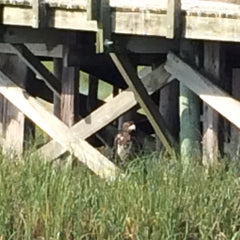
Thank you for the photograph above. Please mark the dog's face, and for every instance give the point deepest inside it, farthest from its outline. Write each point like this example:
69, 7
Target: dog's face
128, 126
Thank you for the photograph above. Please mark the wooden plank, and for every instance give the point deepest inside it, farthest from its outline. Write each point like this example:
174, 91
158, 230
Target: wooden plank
212, 28
62, 19
58, 18
41, 49
144, 23
218, 99
108, 112
36, 66
13, 15
49, 36
56, 129
129, 74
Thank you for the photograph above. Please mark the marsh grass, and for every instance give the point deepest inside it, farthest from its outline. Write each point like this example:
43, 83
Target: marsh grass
156, 200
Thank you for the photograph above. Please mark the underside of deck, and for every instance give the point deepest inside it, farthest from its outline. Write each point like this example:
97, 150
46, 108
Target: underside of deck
111, 40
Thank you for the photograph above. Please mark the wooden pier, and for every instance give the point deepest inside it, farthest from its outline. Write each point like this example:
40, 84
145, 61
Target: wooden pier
191, 48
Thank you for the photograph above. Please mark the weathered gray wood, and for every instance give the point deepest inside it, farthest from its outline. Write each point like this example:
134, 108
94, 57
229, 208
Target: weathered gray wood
210, 141
189, 111
58, 18
129, 74
13, 121
13, 127
56, 129
36, 66
219, 100
69, 96
108, 112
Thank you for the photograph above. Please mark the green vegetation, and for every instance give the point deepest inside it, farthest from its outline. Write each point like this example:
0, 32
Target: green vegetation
156, 200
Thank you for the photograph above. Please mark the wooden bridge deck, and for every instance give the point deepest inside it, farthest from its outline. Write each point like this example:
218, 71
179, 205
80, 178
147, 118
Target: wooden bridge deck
208, 20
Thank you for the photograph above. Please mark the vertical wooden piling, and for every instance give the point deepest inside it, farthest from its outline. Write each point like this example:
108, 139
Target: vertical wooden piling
14, 126
189, 111
212, 65
69, 93
168, 107
57, 69
69, 98
92, 92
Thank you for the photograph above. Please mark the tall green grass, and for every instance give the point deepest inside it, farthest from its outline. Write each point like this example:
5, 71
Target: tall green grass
156, 200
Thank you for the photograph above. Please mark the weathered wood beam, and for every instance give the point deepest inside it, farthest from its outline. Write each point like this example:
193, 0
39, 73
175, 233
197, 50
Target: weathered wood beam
218, 99
57, 18
36, 66
130, 76
108, 112
56, 129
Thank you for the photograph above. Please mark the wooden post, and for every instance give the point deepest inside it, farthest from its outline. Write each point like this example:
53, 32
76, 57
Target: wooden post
169, 107
13, 121
210, 144
69, 98
92, 92
57, 69
189, 111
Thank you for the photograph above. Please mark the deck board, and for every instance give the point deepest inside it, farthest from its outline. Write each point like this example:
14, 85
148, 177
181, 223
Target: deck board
209, 20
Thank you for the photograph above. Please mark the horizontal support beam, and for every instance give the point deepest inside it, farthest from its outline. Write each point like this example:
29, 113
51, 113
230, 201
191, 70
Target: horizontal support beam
38, 49
219, 100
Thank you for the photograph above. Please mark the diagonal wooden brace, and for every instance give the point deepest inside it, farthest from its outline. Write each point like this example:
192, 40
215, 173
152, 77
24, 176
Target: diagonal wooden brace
57, 129
218, 99
108, 112
129, 74
37, 67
